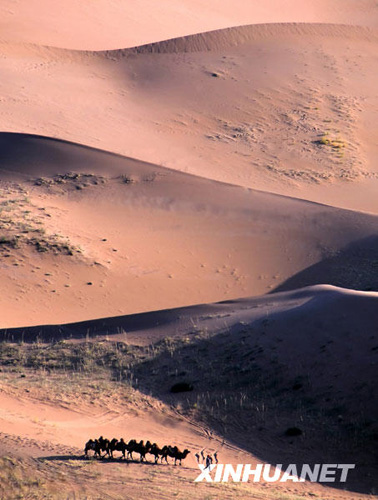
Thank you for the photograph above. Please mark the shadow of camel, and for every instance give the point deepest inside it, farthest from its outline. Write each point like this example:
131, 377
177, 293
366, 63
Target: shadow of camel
107, 460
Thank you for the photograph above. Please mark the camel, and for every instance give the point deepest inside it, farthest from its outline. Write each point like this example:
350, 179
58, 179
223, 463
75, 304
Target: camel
116, 445
122, 447
174, 452
164, 453
92, 445
181, 455
155, 451
103, 445
178, 454
130, 448
112, 446
143, 450
97, 445
140, 448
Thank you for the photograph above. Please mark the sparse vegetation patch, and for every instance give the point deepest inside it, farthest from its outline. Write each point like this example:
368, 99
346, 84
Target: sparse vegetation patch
22, 224
74, 179
226, 388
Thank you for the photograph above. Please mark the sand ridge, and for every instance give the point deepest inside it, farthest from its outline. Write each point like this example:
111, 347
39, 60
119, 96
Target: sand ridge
306, 136
222, 39
109, 237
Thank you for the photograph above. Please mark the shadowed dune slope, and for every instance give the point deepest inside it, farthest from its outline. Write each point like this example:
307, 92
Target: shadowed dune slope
332, 315
292, 358
27, 156
356, 265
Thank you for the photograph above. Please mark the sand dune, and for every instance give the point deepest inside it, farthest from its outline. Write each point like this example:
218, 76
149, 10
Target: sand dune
221, 39
187, 194
144, 237
294, 117
266, 339
339, 320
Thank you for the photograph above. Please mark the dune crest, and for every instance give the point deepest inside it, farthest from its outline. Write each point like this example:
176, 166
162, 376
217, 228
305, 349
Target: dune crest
296, 113
235, 36
214, 40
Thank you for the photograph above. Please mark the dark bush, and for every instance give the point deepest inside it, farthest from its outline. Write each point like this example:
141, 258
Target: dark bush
181, 387
293, 431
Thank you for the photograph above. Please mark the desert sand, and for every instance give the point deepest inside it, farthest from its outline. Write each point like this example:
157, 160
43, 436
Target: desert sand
188, 193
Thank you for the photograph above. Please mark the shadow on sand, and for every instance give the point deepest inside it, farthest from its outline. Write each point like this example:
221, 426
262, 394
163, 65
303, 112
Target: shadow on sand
355, 267
107, 460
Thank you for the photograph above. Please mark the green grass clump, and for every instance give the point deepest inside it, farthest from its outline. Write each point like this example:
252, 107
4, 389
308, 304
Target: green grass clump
333, 143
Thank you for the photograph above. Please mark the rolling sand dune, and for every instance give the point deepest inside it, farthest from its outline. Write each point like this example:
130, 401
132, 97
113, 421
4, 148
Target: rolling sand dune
188, 194
285, 108
223, 39
322, 390
122, 236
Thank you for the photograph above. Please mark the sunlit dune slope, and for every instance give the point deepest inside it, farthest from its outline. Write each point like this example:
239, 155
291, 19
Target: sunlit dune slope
87, 234
285, 108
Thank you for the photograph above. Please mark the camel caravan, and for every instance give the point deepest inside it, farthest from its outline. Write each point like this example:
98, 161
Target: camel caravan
107, 447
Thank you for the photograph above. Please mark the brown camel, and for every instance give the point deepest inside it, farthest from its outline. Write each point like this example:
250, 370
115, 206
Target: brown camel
156, 451
178, 455
116, 445
140, 448
92, 445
